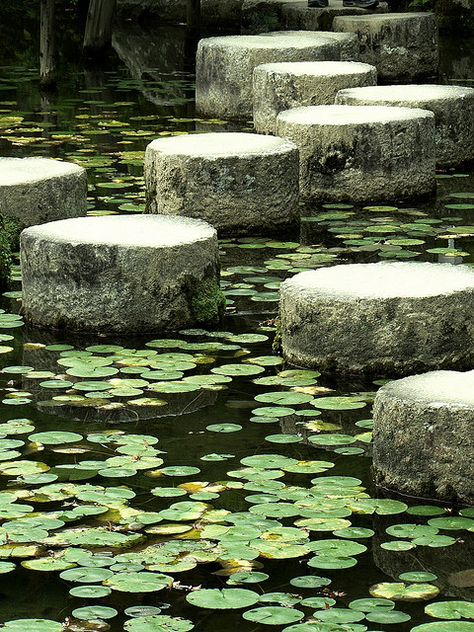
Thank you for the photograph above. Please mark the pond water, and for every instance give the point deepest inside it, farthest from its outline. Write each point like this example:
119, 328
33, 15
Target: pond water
136, 471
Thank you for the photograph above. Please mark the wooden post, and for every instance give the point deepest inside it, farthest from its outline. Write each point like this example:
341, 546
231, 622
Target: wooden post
98, 33
47, 52
193, 13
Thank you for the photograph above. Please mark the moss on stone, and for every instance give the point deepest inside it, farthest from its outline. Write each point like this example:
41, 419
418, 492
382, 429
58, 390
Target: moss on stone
207, 302
9, 241
276, 344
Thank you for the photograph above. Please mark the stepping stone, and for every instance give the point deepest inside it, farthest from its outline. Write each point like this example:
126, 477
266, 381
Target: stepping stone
401, 45
38, 190
423, 439
124, 274
286, 85
362, 154
380, 319
453, 107
225, 65
297, 15
259, 16
238, 182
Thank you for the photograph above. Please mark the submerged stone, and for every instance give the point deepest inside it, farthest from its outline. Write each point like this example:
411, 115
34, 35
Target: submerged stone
38, 190
287, 85
380, 319
121, 274
357, 154
401, 45
423, 439
453, 107
238, 182
224, 65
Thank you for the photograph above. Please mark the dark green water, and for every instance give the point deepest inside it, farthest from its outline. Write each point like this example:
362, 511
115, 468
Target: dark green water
103, 119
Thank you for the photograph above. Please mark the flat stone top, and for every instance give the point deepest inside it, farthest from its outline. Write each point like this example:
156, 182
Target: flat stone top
406, 93
221, 144
436, 387
15, 171
387, 17
350, 114
384, 280
277, 39
317, 68
149, 231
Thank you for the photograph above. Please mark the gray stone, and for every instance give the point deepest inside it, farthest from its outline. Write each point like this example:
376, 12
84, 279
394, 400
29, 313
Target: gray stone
380, 319
356, 154
423, 438
225, 65
297, 15
238, 182
121, 274
401, 45
278, 87
259, 16
38, 190
453, 107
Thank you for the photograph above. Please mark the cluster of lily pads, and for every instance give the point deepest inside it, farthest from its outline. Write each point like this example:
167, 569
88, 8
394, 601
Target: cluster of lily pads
260, 510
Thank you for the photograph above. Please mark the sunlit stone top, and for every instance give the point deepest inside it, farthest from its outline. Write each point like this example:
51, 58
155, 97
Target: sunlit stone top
15, 171
384, 280
151, 231
317, 68
386, 17
407, 93
221, 144
350, 114
437, 387
276, 39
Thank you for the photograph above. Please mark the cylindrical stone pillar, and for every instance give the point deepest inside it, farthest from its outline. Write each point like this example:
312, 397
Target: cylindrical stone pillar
240, 183
283, 86
453, 107
371, 154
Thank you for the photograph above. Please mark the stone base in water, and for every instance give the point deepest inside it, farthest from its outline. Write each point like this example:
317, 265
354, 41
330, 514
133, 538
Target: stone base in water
401, 45
240, 183
259, 16
453, 107
423, 438
379, 319
121, 274
38, 190
224, 65
283, 86
359, 154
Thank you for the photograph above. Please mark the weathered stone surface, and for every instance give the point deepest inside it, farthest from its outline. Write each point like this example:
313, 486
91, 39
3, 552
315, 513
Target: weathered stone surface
38, 190
401, 45
225, 65
238, 182
286, 85
381, 319
259, 16
453, 107
121, 274
356, 154
423, 439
